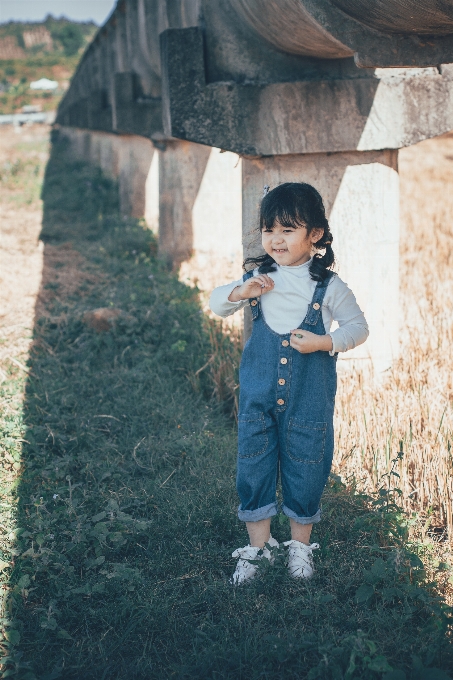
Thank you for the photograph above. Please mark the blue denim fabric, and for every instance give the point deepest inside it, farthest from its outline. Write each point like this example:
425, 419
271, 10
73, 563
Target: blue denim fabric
295, 438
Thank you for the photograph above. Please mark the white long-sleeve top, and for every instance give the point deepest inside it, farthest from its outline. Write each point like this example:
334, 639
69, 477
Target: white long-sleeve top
285, 306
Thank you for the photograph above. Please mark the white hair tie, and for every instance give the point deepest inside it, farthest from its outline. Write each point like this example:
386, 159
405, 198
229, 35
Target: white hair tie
266, 190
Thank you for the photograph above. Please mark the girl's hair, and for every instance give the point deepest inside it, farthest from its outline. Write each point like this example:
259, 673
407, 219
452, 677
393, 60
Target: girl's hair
296, 204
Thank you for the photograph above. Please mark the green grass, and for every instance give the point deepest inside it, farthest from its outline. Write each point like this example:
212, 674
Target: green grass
22, 175
69, 39
125, 511
17, 74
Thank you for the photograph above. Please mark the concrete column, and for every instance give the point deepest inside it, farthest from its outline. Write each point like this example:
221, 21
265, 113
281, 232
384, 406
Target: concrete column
135, 158
129, 159
181, 169
152, 195
97, 148
361, 195
216, 224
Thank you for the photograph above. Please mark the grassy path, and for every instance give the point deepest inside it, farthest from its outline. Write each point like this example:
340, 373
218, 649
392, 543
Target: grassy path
118, 499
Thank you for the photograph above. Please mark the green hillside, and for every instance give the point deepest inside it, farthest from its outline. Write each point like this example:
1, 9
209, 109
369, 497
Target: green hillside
31, 51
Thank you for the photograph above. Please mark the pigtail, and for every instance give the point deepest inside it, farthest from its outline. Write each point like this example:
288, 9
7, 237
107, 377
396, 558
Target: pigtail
265, 263
322, 264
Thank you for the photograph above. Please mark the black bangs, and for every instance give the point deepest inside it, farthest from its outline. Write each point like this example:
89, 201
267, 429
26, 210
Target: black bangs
282, 205
287, 204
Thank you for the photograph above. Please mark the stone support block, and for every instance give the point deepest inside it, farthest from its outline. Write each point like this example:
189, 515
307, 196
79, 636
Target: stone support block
361, 195
382, 109
134, 112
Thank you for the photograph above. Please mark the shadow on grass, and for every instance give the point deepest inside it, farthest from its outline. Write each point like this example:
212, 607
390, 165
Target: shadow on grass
127, 509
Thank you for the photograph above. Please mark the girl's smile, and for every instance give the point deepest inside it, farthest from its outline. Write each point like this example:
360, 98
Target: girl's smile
289, 246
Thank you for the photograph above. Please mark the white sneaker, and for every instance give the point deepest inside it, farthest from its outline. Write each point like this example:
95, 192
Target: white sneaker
300, 558
245, 569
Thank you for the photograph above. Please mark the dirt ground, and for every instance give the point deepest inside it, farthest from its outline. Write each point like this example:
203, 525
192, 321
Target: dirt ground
21, 252
28, 268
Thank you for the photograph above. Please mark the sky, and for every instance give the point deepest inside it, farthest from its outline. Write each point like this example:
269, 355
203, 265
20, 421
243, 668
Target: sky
36, 10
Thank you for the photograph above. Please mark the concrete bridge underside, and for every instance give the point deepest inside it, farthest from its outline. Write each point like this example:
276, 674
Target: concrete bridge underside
194, 105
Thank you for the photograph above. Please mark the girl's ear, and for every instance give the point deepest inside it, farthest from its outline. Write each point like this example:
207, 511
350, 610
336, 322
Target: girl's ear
316, 234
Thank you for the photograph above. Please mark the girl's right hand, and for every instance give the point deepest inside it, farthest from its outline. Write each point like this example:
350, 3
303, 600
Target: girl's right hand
253, 287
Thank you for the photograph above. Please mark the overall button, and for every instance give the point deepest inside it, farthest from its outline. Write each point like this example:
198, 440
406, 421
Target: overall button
280, 402
315, 306
283, 360
281, 381
253, 303
285, 343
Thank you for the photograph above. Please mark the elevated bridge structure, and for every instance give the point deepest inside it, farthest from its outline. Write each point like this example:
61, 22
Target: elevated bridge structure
194, 105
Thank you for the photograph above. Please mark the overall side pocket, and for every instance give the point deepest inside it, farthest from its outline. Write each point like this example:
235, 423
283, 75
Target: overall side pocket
252, 435
306, 441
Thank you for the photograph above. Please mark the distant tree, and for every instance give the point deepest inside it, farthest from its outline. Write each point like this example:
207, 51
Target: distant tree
71, 37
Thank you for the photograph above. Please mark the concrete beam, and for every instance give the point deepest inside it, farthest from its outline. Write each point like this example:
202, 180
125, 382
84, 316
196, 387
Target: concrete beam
382, 33
388, 109
134, 112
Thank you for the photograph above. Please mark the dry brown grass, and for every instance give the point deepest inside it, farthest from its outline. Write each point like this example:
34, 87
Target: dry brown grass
412, 404
21, 254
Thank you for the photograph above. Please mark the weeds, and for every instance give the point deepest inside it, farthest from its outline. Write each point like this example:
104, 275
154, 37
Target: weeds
21, 176
413, 402
120, 526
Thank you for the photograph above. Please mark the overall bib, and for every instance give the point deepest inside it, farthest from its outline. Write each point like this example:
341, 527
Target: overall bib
285, 419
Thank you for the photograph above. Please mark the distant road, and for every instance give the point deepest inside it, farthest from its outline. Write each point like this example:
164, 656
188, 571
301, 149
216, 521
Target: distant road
21, 118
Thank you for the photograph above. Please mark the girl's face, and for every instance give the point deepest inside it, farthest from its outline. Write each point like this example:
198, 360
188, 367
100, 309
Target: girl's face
289, 246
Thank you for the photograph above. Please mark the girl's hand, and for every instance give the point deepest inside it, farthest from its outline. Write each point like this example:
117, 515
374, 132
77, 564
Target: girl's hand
253, 287
310, 342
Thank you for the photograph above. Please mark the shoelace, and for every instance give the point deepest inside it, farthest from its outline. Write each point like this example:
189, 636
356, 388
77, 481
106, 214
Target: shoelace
310, 548
245, 553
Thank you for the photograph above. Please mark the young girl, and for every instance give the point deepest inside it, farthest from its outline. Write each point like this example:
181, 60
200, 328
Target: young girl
288, 373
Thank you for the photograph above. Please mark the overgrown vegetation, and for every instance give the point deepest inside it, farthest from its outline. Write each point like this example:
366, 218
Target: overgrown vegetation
21, 174
118, 494
55, 57
414, 402
68, 37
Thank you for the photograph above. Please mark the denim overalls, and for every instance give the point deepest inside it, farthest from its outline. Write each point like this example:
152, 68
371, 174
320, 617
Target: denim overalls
285, 417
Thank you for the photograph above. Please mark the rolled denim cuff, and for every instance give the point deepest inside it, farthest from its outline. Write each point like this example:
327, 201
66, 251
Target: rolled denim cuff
256, 515
302, 520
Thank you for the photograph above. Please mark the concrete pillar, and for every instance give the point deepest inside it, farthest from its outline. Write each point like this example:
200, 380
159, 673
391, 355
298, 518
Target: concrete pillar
181, 169
361, 195
129, 159
216, 224
97, 148
152, 195
135, 158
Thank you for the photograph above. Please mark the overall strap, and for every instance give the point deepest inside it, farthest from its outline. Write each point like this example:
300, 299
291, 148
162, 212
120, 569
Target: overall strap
314, 308
253, 302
